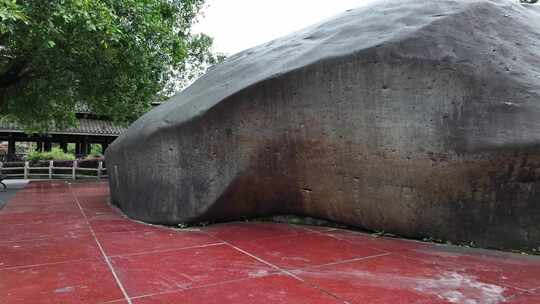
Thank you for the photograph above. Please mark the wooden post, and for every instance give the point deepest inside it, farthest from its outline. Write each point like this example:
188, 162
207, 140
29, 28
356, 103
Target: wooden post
64, 146
47, 145
100, 167
39, 146
26, 167
104, 148
74, 172
85, 147
1, 166
50, 169
78, 149
11, 149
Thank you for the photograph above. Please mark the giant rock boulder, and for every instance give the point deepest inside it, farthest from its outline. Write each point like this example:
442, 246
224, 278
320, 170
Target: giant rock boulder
420, 118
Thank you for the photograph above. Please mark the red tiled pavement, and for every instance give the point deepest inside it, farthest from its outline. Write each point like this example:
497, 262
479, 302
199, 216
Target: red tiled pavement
391, 279
158, 272
133, 242
308, 249
241, 231
524, 298
275, 288
63, 243
46, 251
76, 282
43, 230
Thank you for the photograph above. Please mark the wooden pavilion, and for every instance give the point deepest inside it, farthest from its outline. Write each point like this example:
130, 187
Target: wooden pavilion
91, 129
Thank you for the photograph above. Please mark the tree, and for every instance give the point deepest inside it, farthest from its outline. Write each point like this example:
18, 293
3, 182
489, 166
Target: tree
111, 56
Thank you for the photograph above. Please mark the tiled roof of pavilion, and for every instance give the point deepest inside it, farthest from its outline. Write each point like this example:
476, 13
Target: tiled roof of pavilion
86, 126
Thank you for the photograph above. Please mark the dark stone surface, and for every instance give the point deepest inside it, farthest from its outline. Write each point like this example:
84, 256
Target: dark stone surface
420, 118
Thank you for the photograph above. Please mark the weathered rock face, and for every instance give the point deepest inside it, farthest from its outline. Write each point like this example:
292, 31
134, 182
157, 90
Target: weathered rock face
420, 118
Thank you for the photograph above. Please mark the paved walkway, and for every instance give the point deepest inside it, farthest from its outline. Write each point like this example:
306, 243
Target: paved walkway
13, 186
62, 243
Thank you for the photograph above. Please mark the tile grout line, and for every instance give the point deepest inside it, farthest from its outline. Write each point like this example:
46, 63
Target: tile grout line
44, 264
165, 250
283, 271
289, 274
121, 300
264, 261
517, 295
109, 264
212, 245
197, 287
303, 227
325, 233
45, 238
383, 253
369, 257
505, 285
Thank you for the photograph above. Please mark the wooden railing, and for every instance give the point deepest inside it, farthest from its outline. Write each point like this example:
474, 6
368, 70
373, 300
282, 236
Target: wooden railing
26, 170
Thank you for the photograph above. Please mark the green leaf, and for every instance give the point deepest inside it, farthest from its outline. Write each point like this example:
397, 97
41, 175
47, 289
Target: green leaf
113, 56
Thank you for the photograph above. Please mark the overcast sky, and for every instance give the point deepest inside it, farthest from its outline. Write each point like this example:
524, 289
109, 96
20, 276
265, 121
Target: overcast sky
240, 24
